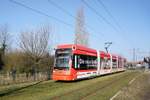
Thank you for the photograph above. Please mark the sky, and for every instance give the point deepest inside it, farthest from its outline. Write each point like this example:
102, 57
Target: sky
132, 16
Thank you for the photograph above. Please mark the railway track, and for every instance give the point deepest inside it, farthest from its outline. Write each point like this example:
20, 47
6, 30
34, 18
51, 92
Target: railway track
95, 89
79, 90
103, 87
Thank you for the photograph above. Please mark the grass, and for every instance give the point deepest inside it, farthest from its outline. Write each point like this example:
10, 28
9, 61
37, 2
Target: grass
138, 90
100, 88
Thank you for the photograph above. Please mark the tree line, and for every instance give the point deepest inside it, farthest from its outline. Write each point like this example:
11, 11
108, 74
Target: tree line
33, 53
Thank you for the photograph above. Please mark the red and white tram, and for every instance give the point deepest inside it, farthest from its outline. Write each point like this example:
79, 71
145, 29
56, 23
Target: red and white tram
74, 62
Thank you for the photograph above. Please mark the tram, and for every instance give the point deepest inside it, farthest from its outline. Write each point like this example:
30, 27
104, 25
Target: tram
73, 62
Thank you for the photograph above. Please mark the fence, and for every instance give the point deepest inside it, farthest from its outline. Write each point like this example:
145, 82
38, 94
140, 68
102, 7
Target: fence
9, 78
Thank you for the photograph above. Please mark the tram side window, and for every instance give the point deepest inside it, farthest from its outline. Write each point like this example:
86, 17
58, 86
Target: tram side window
105, 63
119, 63
84, 62
114, 63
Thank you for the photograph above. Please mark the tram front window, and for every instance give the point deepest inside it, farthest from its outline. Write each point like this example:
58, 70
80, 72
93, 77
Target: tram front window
62, 58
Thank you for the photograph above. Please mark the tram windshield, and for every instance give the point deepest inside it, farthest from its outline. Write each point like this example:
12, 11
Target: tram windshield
62, 57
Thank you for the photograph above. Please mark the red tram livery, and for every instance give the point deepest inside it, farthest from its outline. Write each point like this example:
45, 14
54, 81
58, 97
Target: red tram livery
74, 62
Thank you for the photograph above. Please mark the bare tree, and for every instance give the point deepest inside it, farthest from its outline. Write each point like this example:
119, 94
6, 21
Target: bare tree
81, 36
4, 41
4, 37
35, 44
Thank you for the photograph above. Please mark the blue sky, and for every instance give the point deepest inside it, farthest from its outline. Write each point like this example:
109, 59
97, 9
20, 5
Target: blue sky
132, 15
